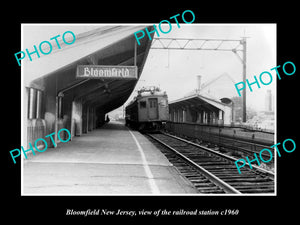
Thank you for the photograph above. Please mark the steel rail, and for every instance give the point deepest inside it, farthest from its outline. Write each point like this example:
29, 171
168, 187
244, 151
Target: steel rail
230, 158
217, 181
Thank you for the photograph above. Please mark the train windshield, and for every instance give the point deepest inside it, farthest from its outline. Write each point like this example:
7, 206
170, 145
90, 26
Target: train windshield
142, 104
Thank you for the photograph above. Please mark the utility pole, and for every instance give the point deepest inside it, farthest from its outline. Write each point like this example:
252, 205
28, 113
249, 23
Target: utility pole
202, 44
244, 61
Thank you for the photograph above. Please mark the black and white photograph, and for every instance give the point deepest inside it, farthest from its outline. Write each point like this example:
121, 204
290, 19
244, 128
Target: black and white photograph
104, 114
154, 119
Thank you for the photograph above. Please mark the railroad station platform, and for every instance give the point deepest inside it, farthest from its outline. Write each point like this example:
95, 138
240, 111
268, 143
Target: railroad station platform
112, 160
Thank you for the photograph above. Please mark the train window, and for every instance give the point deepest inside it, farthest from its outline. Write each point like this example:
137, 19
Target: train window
142, 104
153, 102
163, 102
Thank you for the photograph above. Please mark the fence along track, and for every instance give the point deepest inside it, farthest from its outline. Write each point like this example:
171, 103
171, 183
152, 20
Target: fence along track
229, 141
218, 168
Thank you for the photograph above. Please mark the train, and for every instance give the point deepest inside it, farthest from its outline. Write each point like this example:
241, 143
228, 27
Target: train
148, 111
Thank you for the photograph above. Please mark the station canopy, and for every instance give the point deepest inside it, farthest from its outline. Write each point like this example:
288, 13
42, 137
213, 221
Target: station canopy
198, 101
104, 45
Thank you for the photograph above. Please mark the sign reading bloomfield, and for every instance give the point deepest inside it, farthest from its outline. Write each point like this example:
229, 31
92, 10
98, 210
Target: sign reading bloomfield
98, 71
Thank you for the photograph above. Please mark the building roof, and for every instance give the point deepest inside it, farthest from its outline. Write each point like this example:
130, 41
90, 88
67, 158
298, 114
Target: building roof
199, 100
107, 45
87, 44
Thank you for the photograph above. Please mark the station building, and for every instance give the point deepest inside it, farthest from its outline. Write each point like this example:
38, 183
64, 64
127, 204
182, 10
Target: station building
54, 97
200, 109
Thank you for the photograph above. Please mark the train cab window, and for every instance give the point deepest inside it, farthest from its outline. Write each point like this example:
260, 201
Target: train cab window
163, 103
153, 102
142, 104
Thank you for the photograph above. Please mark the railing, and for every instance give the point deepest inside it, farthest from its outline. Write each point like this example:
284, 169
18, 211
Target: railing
234, 138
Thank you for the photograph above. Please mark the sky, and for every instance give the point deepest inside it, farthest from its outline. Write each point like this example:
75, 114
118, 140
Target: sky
175, 71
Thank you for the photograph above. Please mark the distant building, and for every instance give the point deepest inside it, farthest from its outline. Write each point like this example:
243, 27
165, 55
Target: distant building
264, 120
216, 88
269, 101
220, 87
238, 110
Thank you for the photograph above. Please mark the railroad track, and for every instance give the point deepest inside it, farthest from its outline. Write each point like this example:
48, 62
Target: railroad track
211, 171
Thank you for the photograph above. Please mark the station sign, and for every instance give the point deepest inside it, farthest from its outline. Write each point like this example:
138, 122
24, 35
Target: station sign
104, 71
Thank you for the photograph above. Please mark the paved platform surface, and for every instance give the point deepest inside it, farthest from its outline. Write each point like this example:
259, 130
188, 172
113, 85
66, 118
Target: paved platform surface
109, 161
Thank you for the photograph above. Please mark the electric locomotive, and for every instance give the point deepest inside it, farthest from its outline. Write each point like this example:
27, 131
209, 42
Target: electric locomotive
149, 110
